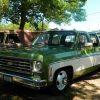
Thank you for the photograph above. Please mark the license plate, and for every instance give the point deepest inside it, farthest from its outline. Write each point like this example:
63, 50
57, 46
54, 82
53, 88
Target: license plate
8, 78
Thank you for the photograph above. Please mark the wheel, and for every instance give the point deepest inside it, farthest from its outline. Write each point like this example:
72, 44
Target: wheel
60, 81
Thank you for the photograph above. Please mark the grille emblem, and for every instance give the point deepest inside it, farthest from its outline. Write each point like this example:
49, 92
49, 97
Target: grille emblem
10, 63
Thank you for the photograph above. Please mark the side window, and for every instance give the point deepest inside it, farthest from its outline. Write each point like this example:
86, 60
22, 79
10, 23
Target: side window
70, 38
67, 40
93, 38
82, 39
56, 39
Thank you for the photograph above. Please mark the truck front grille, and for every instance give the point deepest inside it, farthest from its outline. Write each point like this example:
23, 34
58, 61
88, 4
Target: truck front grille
18, 65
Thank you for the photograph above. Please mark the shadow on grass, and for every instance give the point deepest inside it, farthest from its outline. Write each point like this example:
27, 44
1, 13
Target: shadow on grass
86, 87
80, 89
9, 91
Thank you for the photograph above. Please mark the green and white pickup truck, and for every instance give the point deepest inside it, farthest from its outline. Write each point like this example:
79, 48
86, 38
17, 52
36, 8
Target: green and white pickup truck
53, 60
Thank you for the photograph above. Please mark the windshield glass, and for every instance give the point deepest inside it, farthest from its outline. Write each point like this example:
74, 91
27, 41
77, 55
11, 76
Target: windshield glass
56, 38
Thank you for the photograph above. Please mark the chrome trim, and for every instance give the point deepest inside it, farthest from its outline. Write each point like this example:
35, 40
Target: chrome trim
19, 65
28, 82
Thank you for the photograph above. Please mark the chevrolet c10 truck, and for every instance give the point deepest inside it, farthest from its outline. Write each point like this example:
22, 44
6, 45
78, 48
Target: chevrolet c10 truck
53, 60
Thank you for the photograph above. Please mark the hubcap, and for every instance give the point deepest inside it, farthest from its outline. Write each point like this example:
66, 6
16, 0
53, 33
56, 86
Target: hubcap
61, 80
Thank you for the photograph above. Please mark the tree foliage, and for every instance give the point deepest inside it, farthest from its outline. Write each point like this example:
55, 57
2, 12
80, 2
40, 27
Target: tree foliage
45, 26
36, 11
4, 4
27, 26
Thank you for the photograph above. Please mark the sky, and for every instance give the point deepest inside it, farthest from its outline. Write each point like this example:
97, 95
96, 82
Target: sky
92, 22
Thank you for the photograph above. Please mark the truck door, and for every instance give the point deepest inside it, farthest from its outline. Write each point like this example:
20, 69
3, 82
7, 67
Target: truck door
96, 54
85, 52
95, 40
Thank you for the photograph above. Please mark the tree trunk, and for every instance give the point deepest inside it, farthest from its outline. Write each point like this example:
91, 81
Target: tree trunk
42, 26
42, 23
23, 16
23, 19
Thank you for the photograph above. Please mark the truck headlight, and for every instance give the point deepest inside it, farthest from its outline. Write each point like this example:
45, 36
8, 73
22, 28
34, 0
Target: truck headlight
38, 66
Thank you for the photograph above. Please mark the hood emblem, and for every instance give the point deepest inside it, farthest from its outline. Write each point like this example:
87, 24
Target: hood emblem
10, 63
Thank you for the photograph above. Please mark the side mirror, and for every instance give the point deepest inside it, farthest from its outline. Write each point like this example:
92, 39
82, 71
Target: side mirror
88, 44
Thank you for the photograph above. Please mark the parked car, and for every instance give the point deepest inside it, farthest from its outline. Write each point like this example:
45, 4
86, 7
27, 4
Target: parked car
17, 38
94, 38
9, 40
98, 33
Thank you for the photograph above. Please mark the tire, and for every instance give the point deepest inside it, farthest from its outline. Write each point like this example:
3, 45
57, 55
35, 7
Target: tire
60, 81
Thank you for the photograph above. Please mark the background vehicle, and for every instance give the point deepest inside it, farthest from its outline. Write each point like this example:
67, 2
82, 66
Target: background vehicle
17, 38
9, 40
94, 38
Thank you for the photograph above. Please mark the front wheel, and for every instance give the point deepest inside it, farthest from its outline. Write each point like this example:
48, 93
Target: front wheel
60, 81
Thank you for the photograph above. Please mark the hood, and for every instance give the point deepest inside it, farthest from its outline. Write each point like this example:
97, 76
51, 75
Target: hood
35, 52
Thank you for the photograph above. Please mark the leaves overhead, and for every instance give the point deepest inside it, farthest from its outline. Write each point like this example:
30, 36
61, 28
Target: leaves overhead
4, 4
36, 11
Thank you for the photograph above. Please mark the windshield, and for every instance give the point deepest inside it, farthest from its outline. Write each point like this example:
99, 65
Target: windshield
56, 38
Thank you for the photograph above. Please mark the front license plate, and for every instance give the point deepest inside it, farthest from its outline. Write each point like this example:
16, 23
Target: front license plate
8, 78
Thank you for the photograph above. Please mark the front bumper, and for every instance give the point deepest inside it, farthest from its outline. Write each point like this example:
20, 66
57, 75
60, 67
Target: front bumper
28, 82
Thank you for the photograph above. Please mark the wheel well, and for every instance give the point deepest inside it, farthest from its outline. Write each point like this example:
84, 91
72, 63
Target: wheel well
70, 70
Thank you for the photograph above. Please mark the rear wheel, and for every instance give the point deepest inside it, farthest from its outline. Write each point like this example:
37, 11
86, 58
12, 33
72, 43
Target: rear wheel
60, 81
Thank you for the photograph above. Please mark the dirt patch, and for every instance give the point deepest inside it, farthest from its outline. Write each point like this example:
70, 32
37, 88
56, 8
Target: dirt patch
83, 88
88, 88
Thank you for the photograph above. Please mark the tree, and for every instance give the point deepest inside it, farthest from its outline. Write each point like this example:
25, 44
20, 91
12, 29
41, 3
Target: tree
4, 4
36, 11
43, 26
27, 26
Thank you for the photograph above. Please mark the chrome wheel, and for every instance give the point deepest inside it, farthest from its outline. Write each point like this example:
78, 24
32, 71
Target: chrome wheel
62, 80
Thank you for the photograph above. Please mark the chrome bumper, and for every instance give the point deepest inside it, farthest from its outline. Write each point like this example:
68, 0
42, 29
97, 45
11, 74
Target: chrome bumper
28, 82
